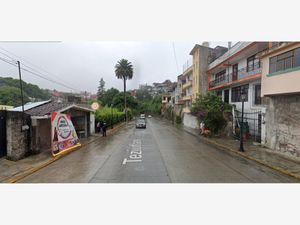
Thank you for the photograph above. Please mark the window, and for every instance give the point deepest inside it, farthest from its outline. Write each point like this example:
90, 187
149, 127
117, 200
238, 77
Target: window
220, 76
285, 61
252, 63
236, 93
257, 91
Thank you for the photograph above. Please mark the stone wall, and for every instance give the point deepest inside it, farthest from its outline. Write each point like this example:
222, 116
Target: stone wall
18, 142
190, 121
283, 124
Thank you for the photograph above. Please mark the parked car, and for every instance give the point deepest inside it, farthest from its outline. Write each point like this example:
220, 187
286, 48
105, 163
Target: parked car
140, 123
149, 116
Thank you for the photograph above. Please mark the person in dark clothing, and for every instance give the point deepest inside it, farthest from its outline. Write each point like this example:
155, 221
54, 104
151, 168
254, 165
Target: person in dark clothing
104, 126
101, 125
98, 127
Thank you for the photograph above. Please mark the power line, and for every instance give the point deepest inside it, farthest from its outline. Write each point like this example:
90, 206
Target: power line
30, 63
37, 74
175, 57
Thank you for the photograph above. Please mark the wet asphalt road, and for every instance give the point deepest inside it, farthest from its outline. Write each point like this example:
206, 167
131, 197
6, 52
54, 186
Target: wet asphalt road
161, 153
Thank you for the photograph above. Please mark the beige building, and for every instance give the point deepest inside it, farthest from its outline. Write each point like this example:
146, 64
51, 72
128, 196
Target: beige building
187, 88
281, 70
195, 80
280, 87
203, 55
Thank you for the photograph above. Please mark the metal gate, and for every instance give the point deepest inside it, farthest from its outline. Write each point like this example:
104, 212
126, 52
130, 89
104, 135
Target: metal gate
251, 126
2, 133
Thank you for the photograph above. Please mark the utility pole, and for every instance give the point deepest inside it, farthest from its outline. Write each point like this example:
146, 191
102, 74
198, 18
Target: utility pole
22, 97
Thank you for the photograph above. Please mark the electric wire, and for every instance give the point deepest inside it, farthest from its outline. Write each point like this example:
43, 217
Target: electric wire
37, 74
174, 52
38, 70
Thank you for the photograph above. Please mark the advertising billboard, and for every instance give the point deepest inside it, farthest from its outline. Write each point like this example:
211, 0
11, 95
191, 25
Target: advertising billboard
63, 134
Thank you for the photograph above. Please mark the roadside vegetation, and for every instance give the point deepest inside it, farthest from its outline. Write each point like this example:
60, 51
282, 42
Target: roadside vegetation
211, 110
143, 102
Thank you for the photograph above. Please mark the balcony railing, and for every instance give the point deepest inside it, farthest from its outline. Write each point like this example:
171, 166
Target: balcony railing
187, 84
187, 97
240, 74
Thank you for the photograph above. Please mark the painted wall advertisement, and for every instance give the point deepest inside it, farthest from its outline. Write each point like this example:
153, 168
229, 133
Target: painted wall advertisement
63, 134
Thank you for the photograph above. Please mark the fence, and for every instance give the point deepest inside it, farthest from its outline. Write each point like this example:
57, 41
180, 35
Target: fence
251, 126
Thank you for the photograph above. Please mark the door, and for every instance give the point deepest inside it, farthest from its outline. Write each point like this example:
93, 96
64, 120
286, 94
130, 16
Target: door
234, 72
2, 133
226, 96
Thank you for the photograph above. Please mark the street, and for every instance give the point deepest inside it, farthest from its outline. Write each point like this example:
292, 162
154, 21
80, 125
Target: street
161, 153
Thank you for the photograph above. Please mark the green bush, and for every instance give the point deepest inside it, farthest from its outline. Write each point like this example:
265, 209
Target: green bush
178, 119
109, 115
209, 109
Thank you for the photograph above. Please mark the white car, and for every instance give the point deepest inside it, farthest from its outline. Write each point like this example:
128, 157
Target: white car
149, 116
142, 116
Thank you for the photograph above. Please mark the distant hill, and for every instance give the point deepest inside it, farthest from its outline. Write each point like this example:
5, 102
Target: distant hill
10, 92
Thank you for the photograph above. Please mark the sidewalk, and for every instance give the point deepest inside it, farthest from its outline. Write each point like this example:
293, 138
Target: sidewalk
11, 171
267, 157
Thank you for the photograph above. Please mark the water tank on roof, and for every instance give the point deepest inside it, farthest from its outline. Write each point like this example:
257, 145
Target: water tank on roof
205, 43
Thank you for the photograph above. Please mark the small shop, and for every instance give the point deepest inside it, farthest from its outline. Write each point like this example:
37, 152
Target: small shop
39, 136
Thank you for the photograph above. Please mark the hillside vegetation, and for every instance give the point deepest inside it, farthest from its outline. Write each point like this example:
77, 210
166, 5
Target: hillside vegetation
10, 92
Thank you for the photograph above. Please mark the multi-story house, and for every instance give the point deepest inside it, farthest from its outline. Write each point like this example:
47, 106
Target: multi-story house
280, 88
202, 56
194, 72
187, 88
239, 70
178, 91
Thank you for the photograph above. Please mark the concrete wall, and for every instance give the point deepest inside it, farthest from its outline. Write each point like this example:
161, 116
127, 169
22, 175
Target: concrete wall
92, 123
18, 145
283, 124
190, 121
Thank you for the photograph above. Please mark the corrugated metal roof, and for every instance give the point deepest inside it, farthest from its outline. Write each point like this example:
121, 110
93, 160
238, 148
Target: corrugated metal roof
50, 107
28, 106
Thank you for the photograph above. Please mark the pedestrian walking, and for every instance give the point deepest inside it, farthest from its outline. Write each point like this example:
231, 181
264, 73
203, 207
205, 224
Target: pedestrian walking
104, 126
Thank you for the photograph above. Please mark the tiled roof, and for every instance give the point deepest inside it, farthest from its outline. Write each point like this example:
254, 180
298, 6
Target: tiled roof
50, 107
236, 48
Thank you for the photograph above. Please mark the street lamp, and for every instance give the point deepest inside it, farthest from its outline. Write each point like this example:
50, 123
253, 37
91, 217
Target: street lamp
243, 97
112, 117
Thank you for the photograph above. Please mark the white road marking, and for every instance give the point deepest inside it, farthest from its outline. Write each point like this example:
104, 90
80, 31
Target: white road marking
130, 160
137, 160
135, 153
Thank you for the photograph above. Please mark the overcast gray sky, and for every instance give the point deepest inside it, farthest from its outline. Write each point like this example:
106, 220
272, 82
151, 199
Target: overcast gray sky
82, 64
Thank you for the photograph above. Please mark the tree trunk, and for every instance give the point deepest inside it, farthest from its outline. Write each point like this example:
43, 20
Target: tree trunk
125, 100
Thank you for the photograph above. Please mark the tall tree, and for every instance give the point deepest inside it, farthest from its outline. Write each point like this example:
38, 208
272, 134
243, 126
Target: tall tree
124, 71
108, 96
101, 89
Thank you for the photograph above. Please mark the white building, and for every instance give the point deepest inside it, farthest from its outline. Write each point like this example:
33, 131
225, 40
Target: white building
236, 70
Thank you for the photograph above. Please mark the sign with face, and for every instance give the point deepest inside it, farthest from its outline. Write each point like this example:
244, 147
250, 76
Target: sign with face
63, 134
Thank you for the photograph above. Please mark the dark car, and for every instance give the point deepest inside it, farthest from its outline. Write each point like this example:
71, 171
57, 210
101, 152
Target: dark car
140, 123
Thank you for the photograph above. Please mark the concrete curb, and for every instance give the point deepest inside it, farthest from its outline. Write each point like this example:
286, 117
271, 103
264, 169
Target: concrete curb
28, 172
244, 155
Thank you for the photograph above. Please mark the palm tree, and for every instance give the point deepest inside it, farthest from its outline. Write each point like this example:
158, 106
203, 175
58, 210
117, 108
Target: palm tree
124, 70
